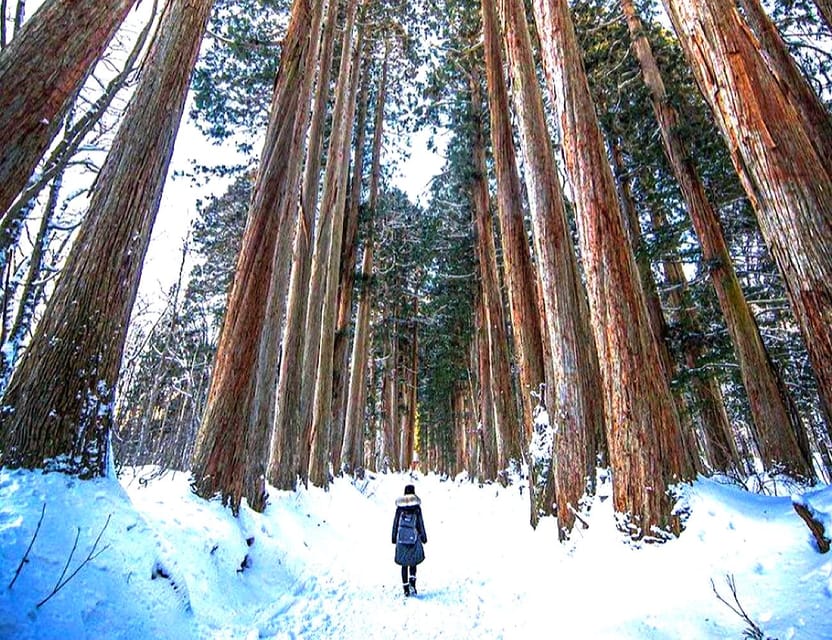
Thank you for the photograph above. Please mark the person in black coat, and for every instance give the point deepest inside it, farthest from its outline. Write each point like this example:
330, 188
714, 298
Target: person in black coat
409, 536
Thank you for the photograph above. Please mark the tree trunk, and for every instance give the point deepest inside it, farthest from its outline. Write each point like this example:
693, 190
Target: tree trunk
518, 271
347, 280
486, 430
219, 453
643, 432
507, 425
262, 410
353, 424
799, 91
774, 414
60, 399
575, 410
411, 380
332, 192
389, 421
40, 72
284, 467
75, 133
334, 199
788, 183
655, 313
825, 12
517, 264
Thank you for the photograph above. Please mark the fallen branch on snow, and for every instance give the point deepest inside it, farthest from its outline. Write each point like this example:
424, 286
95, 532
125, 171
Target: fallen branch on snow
812, 519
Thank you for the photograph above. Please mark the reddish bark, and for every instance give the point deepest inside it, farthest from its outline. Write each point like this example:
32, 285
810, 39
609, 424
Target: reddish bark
59, 403
219, 454
40, 72
788, 182
643, 430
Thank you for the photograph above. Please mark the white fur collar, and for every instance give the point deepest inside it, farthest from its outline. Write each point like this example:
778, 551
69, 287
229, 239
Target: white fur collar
409, 500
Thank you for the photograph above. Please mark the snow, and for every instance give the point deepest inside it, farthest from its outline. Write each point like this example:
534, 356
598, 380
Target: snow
320, 564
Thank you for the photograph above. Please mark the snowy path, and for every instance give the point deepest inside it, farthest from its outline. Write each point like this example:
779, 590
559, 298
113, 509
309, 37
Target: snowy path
320, 566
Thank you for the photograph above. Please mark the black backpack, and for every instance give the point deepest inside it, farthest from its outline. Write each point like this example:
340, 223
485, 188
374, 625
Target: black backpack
407, 528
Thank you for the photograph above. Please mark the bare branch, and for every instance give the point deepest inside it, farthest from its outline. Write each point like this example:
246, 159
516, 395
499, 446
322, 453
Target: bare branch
92, 555
25, 558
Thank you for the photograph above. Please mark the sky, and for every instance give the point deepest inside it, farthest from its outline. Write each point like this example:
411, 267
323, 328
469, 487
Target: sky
319, 564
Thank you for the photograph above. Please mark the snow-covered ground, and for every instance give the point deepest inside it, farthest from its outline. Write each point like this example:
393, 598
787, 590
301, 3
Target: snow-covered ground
320, 565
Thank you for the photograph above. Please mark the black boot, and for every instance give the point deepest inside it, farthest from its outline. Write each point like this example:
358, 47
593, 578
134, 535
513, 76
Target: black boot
413, 591
406, 588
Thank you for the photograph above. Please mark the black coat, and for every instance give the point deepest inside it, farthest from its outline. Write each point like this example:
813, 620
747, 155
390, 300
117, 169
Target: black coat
409, 554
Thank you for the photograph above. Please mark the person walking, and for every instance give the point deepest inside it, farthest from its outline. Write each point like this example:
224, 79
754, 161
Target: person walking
409, 537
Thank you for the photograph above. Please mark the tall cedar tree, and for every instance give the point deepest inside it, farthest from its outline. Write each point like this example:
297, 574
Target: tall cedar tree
642, 424
575, 409
40, 72
219, 453
771, 144
775, 417
340, 358
284, 465
519, 274
59, 403
329, 219
261, 419
352, 448
506, 420
655, 313
322, 399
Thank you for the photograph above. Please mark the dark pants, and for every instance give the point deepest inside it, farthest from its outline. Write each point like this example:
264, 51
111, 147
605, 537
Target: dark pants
406, 570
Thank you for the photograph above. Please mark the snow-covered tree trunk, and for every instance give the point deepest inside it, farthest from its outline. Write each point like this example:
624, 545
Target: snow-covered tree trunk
575, 407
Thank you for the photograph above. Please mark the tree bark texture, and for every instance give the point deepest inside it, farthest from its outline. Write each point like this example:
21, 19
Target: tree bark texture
60, 399
40, 72
575, 410
825, 12
356, 398
800, 92
340, 377
284, 466
519, 273
390, 394
643, 429
334, 199
788, 183
774, 414
485, 387
262, 411
219, 453
655, 313
507, 424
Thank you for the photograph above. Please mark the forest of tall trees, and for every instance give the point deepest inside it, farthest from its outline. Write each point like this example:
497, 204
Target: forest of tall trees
624, 260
